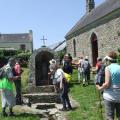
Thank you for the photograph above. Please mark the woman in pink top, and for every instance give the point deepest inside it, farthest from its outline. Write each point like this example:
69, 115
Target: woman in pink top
17, 72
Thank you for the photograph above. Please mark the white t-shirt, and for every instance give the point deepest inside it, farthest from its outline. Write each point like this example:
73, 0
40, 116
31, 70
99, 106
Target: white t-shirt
8, 71
80, 69
58, 76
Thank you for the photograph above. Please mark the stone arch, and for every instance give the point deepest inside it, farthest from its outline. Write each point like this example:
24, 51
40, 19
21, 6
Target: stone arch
42, 67
74, 47
94, 48
39, 67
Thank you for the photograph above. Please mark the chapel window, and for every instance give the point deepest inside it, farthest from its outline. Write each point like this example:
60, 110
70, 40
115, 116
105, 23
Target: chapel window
22, 47
74, 47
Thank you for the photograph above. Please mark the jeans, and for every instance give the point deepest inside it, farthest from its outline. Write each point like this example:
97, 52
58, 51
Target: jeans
80, 75
18, 91
111, 108
86, 76
64, 97
8, 98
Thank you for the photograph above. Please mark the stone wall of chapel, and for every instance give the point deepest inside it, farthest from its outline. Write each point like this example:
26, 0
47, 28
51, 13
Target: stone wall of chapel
108, 36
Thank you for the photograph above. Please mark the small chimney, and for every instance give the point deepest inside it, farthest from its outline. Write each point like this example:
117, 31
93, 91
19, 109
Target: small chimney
90, 4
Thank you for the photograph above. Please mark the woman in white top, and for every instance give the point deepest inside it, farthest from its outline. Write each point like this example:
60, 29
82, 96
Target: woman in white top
60, 81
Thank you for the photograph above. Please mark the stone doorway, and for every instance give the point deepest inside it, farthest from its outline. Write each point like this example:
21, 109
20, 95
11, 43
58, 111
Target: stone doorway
39, 67
42, 68
94, 47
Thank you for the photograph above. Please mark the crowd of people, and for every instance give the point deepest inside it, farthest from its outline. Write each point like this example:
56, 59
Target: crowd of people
107, 81
61, 76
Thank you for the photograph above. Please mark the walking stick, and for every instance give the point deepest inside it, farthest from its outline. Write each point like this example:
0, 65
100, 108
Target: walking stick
100, 102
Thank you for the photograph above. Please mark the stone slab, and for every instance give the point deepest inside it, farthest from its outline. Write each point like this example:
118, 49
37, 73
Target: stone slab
43, 97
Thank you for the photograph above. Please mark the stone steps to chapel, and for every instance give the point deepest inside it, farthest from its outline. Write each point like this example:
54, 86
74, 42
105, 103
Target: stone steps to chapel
40, 89
42, 97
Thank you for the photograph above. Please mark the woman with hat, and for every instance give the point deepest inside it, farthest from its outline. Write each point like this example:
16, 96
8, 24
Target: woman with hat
60, 82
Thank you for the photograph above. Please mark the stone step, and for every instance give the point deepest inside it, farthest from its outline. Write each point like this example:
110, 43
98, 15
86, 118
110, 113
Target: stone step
41, 89
44, 106
42, 97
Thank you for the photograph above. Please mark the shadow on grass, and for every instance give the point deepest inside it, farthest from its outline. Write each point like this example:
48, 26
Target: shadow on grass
21, 116
72, 83
74, 108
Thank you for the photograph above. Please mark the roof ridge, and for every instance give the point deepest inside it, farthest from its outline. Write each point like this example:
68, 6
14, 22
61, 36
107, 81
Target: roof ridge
100, 11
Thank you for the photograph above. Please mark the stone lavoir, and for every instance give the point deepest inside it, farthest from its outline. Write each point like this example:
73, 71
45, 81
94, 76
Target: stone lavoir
40, 93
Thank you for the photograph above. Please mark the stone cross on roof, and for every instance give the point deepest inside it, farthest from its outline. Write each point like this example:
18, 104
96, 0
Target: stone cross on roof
43, 39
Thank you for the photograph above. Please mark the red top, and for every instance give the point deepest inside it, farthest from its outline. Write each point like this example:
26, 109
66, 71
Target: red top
17, 69
98, 66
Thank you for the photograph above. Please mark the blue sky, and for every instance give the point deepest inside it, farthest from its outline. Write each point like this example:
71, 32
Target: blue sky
51, 18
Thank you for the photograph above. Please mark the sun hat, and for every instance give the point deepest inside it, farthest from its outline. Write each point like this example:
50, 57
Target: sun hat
52, 67
107, 58
52, 61
86, 57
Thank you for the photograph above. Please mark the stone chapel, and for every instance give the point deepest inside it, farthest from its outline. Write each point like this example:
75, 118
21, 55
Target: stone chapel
97, 32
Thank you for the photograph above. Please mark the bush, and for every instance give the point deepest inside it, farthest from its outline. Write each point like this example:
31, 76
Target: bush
21, 55
118, 57
24, 58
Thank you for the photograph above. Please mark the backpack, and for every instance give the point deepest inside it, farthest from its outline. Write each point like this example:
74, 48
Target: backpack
86, 66
100, 77
102, 70
3, 72
67, 76
67, 68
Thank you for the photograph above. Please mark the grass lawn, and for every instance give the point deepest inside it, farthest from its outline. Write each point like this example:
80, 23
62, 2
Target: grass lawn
88, 98
20, 116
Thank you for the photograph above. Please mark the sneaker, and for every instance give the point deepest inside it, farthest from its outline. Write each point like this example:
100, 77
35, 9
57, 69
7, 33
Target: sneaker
19, 102
83, 85
69, 108
4, 114
11, 114
29, 104
63, 109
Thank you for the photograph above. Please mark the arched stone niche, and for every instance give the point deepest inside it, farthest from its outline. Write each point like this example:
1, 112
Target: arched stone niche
39, 67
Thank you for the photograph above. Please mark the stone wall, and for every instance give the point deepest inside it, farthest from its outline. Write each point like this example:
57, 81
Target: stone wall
16, 45
16, 40
35, 62
108, 36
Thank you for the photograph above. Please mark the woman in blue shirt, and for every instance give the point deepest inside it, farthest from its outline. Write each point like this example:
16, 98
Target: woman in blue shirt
111, 87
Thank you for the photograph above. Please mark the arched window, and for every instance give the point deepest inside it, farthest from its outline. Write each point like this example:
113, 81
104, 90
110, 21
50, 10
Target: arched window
94, 48
74, 47
23, 47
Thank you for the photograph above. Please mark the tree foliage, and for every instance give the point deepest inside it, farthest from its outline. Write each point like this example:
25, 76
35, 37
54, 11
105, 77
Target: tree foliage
23, 56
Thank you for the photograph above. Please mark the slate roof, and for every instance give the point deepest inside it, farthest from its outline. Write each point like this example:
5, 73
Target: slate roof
53, 46
105, 8
58, 46
22, 37
61, 46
